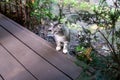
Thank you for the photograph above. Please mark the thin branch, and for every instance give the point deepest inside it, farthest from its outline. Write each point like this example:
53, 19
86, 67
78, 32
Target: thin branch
110, 47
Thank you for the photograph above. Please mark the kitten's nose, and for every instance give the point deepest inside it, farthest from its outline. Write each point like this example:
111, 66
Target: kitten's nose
60, 28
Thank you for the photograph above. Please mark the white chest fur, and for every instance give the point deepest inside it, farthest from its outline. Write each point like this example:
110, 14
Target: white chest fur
59, 38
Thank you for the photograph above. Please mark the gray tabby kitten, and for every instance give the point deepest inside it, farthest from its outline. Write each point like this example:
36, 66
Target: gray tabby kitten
62, 36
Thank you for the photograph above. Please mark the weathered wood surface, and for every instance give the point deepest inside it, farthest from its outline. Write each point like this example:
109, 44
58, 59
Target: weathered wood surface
26, 56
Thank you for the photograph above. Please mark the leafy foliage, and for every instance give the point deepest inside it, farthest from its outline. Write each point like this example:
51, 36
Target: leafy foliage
105, 66
42, 9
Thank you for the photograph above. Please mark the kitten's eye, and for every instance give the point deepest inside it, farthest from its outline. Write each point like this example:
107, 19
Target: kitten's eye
51, 24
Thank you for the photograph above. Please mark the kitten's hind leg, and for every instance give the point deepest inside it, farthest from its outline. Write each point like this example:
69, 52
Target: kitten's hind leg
58, 47
65, 48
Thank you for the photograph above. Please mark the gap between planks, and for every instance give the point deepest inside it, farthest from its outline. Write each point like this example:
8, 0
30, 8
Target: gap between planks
33, 42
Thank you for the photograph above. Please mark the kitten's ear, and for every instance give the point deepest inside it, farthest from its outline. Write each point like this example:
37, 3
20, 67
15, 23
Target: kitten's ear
59, 26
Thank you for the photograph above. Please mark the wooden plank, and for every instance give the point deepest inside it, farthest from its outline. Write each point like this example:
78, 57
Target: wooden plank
41, 48
33, 63
11, 69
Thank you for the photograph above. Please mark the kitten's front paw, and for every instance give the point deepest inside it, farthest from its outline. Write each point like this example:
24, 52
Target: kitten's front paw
58, 48
65, 51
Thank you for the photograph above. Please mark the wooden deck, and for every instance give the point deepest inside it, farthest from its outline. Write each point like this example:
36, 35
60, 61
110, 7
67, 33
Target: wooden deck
26, 56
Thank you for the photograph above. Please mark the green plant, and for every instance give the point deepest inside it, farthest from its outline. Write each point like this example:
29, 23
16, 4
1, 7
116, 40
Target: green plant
84, 6
105, 66
41, 9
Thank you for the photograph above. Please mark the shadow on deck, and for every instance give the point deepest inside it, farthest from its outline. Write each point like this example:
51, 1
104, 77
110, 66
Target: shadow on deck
26, 56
